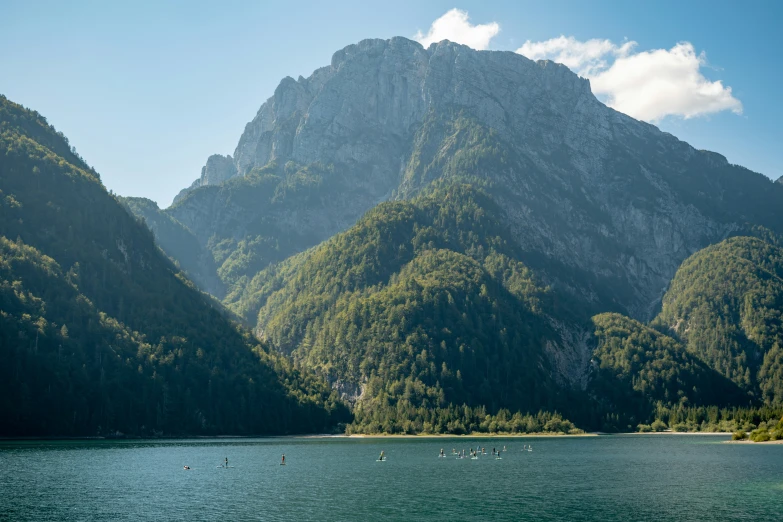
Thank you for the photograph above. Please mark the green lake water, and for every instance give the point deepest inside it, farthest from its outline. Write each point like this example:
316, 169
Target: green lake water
632, 477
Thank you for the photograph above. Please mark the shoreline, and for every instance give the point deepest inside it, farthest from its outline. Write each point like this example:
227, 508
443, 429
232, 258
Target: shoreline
379, 436
468, 435
669, 432
748, 441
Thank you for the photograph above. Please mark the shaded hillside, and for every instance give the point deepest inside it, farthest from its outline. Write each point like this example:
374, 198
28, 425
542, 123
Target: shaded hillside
179, 243
99, 330
636, 368
726, 303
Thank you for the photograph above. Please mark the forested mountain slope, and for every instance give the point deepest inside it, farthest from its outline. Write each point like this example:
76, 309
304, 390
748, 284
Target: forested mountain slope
635, 368
99, 330
422, 305
726, 303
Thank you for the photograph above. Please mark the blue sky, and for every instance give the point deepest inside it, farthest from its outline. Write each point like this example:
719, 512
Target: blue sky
147, 92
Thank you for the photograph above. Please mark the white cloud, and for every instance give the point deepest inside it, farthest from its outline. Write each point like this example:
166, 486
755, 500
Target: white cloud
647, 85
456, 27
583, 57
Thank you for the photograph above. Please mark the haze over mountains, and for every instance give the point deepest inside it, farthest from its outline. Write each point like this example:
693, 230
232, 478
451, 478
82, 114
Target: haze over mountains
100, 333
443, 234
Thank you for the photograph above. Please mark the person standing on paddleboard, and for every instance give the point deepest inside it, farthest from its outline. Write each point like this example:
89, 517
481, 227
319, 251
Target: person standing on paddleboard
283, 463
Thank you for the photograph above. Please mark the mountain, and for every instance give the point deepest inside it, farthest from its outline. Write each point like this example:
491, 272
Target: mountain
421, 307
426, 291
726, 303
780, 179
441, 228
613, 204
716, 343
99, 332
636, 367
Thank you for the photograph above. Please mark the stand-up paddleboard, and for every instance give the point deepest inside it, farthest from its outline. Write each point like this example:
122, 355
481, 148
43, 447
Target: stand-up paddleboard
380, 460
224, 467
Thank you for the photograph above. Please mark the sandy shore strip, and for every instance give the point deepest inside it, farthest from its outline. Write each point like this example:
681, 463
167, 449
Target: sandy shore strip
748, 441
669, 432
471, 435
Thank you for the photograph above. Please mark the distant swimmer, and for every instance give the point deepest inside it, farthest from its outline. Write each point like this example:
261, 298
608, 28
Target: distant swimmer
187, 467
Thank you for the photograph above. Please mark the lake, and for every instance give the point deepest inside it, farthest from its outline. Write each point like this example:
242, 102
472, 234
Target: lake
620, 477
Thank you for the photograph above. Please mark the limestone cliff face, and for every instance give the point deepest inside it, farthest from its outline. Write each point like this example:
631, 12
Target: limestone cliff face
607, 207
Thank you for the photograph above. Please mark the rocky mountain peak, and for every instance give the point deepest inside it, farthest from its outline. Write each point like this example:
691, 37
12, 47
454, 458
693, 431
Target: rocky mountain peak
217, 170
387, 87
613, 201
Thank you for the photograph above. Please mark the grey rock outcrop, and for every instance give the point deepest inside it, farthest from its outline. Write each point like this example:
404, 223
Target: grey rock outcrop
217, 170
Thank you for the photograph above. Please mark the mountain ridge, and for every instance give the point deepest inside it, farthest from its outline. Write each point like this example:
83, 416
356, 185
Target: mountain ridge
581, 183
